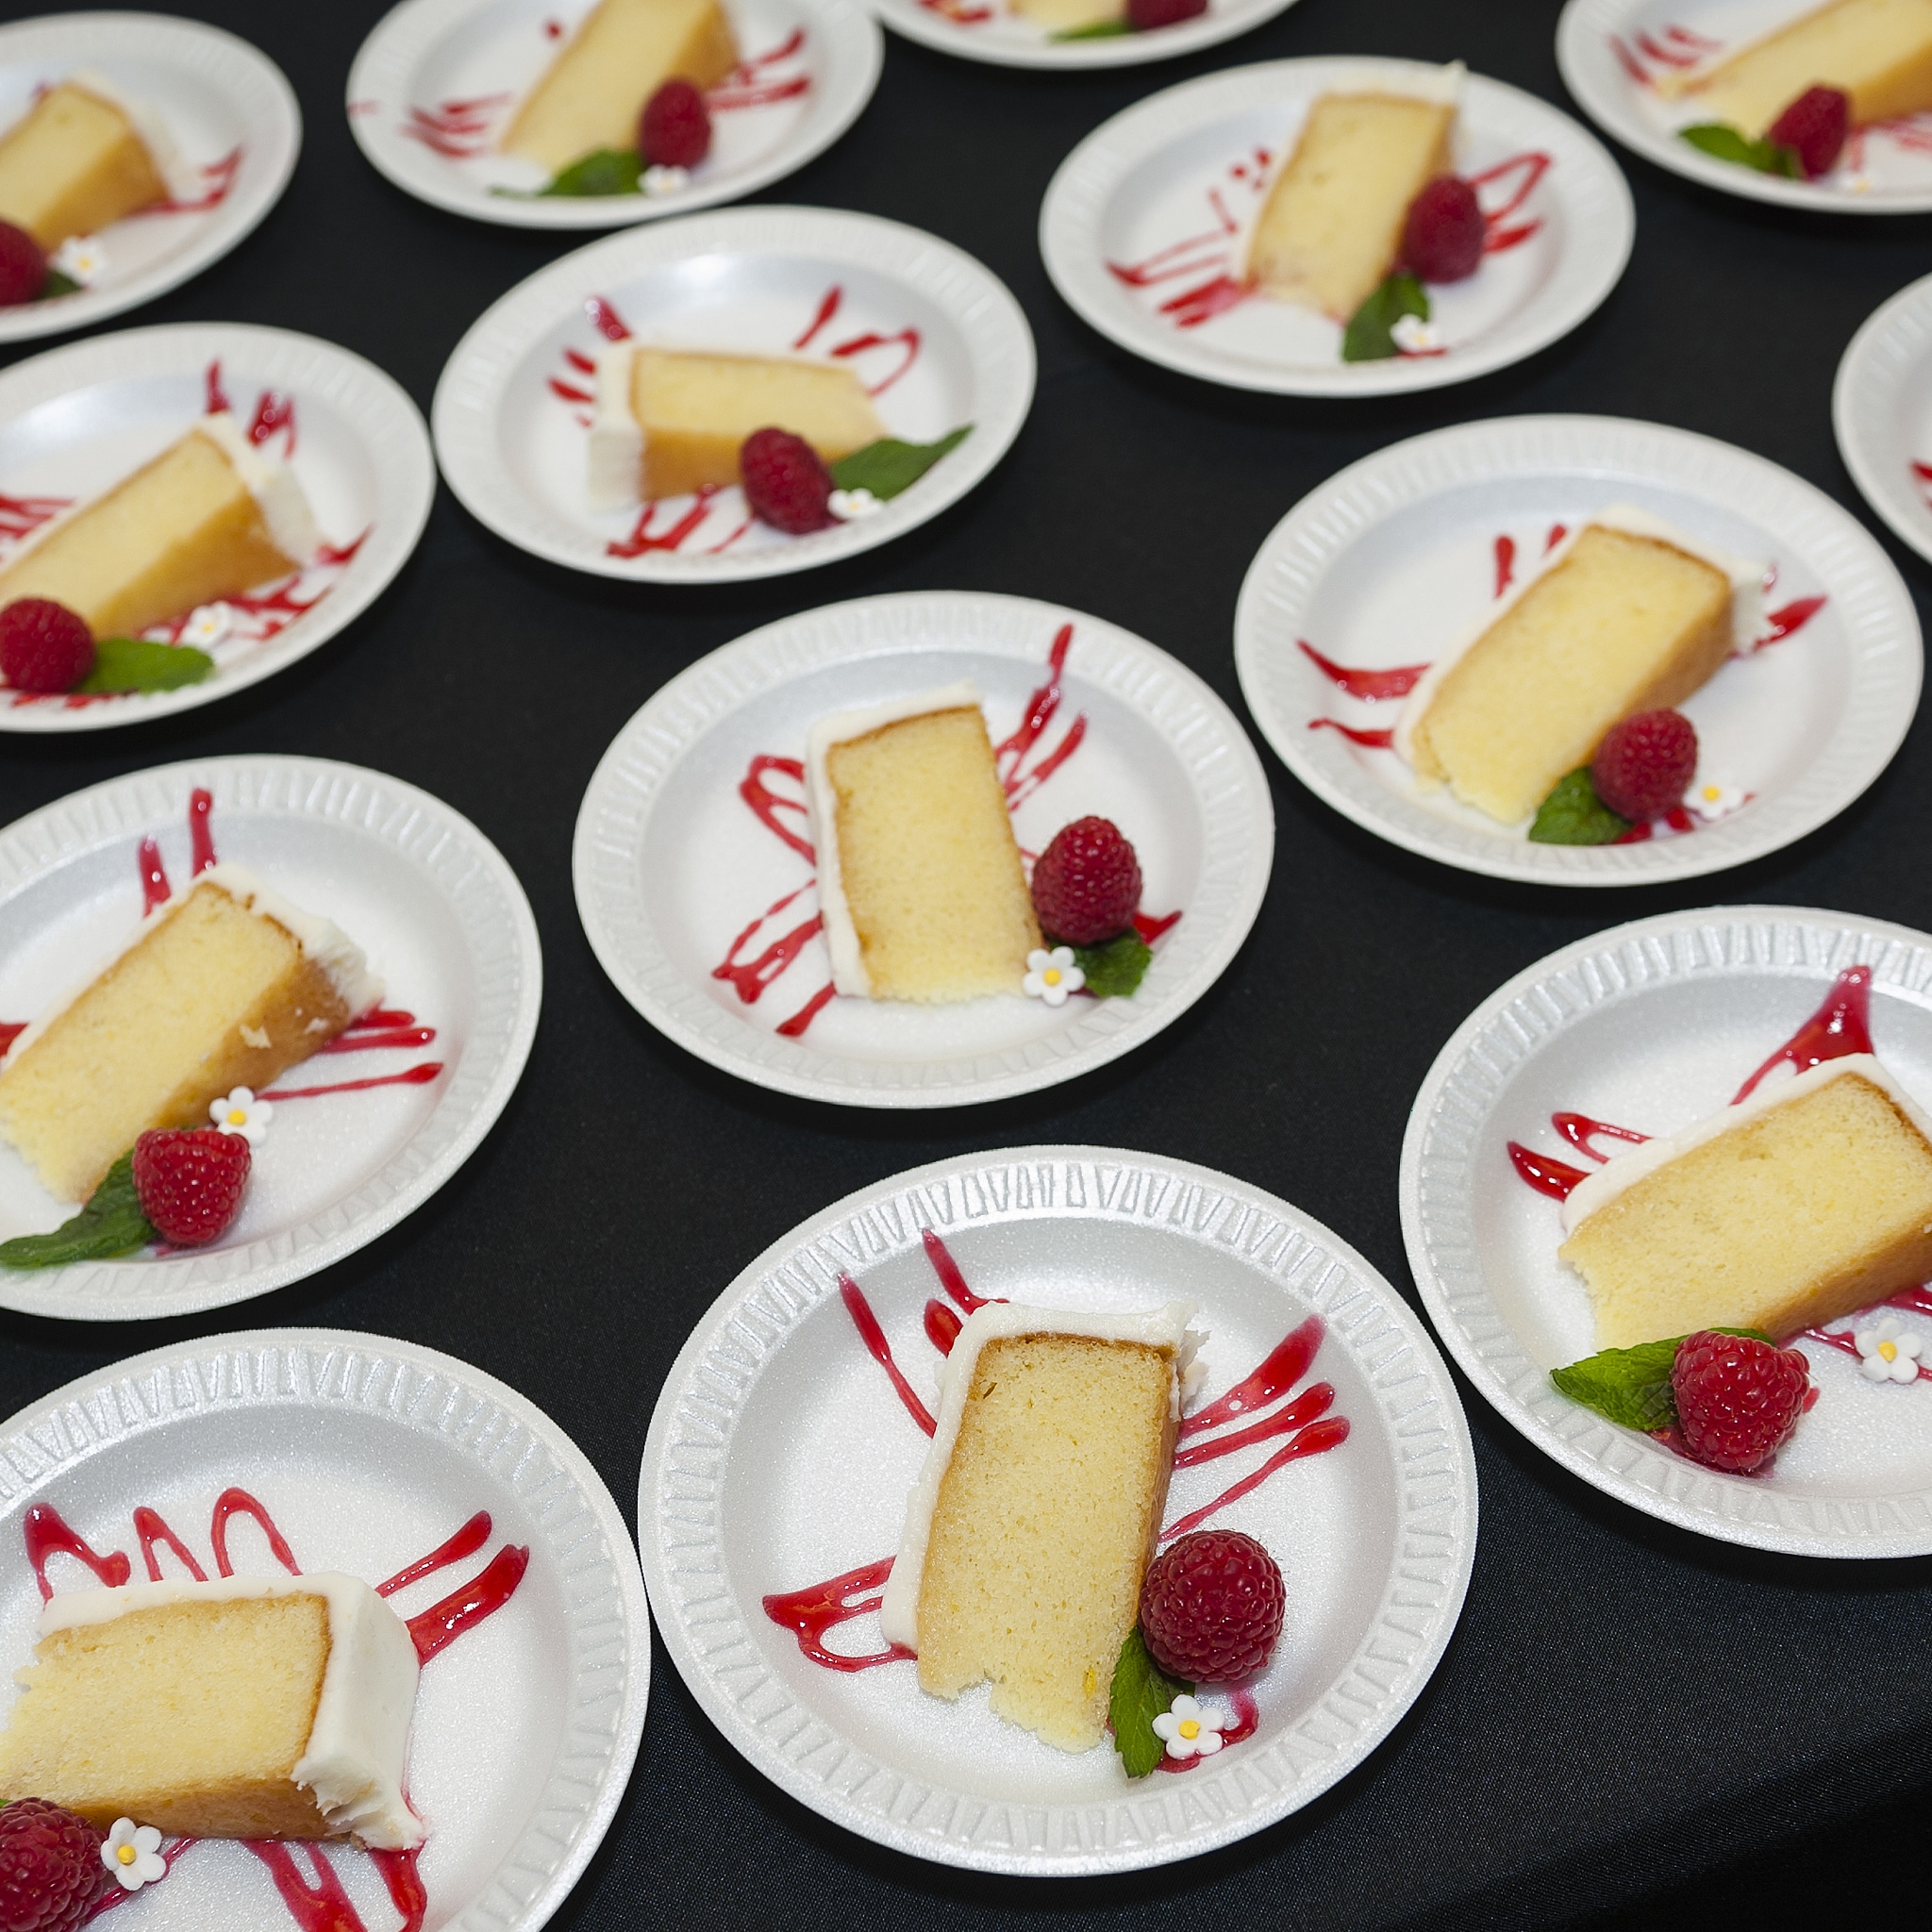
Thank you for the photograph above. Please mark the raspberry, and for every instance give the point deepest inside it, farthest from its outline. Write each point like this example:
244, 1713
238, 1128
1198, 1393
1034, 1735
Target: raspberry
50, 1866
1145, 15
22, 266
1211, 1607
1814, 128
1087, 883
785, 482
1644, 762
188, 1181
1738, 1399
43, 645
675, 129
1442, 237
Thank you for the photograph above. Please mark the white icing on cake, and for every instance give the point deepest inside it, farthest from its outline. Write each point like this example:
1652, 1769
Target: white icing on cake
615, 460
1158, 1328
1747, 601
1442, 86
273, 485
849, 975
182, 177
359, 1745
1623, 1171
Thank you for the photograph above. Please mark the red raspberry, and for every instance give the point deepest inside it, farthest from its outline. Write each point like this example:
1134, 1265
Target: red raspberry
50, 1866
43, 645
785, 482
1814, 127
1087, 883
1442, 237
188, 1181
1738, 1399
675, 129
1644, 764
22, 266
1145, 15
1211, 1607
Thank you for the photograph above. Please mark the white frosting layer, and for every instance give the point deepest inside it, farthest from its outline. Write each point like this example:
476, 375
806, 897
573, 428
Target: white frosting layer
841, 936
1441, 85
1159, 1328
1623, 1171
273, 485
171, 164
614, 477
359, 1745
1747, 601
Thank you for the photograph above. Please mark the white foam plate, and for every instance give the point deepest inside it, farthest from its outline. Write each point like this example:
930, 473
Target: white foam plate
437, 911
1613, 51
434, 88
75, 421
512, 409
988, 30
1881, 410
1653, 1026
1170, 190
229, 111
1395, 558
778, 1455
368, 1452
672, 870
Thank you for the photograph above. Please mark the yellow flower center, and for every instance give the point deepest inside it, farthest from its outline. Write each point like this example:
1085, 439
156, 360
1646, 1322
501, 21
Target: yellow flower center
1190, 1728
1051, 975
1889, 1350
237, 1118
1713, 792
124, 1852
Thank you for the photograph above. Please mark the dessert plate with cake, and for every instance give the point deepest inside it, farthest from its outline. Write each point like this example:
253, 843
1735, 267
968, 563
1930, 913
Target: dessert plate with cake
922, 1493
1074, 33
253, 1013
186, 510
741, 395
923, 850
135, 150
1577, 650
315, 1628
1336, 226
1818, 104
600, 113
1699, 1137
1881, 410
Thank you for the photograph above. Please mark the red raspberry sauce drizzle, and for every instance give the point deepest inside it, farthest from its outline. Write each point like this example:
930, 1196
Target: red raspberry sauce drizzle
809, 1613
1670, 47
458, 130
748, 85
1372, 686
1841, 1026
323, 1906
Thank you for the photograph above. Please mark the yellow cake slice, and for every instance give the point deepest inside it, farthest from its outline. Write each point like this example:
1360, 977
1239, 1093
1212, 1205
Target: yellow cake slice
210, 517
1332, 227
671, 421
227, 986
1879, 52
1062, 16
1809, 1199
1629, 614
592, 94
1036, 1514
920, 886
256, 1707
75, 162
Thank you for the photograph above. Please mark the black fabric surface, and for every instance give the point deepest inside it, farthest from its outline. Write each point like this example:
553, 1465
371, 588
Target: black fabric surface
1628, 1717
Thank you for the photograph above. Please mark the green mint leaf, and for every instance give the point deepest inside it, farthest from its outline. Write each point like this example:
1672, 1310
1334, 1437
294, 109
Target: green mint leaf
1724, 143
1093, 30
1141, 1690
1115, 969
57, 283
1631, 1385
112, 1223
139, 664
888, 466
603, 171
1573, 814
1369, 335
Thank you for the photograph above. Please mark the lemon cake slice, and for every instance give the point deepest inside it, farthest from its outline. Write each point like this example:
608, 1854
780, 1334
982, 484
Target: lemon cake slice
81, 158
1331, 226
1036, 1514
1628, 614
590, 95
225, 987
671, 421
1879, 52
210, 517
1063, 16
920, 886
1808, 1199
246, 1706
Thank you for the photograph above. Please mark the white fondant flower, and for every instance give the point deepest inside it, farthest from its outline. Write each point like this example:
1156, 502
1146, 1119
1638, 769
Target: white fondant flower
208, 625
662, 180
133, 1854
1715, 797
1192, 1729
850, 504
1858, 184
1413, 336
80, 259
242, 1113
1051, 976
1891, 1354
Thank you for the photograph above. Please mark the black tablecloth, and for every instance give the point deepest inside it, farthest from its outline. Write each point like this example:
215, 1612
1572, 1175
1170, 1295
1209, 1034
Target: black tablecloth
1624, 1712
